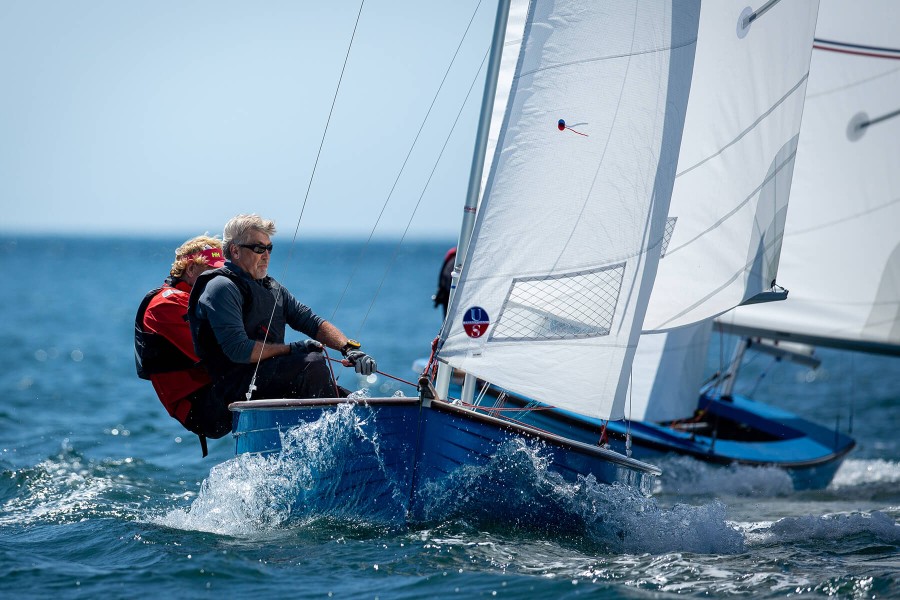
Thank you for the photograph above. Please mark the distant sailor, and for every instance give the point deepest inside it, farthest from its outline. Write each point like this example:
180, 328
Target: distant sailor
164, 349
238, 317
442, 296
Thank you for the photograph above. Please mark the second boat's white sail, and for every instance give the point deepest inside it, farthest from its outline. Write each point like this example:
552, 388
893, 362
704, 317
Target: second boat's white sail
730, 198
841, 255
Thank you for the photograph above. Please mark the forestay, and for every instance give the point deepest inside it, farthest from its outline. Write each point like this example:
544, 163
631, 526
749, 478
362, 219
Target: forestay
730, 199
841, 257
566, 243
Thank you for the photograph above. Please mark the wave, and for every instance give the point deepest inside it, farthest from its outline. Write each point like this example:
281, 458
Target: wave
66, 488
864, 527
514, 492
858, 472
253, 492
685, 476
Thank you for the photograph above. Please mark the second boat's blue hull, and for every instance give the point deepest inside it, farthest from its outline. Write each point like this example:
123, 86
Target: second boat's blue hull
734, 431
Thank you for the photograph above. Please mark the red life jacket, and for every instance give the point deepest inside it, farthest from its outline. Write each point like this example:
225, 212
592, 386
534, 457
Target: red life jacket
175, 375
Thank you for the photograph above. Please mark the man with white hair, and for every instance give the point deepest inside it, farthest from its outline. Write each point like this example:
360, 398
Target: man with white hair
239, 315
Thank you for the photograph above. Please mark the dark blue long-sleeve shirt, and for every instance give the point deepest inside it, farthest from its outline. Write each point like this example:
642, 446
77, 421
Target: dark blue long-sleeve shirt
221, 304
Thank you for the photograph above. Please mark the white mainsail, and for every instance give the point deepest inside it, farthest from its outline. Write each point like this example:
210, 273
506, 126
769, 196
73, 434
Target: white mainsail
565, 247
734, 172
841, 253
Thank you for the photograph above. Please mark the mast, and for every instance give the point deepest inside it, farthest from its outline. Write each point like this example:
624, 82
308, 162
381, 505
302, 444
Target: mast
475, 173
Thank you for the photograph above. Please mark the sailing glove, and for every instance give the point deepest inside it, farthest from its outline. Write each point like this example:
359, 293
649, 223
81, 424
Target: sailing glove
305, 346
362, 362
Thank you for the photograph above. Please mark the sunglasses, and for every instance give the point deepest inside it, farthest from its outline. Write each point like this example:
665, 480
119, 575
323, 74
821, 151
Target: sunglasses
258, 248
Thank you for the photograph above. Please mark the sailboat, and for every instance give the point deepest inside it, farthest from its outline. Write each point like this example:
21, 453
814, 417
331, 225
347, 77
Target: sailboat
842, 242
843, 295
581, 184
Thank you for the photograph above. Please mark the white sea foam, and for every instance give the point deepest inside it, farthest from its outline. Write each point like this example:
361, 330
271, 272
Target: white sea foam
61, 489
689, 477
833, 527
856, 472
240, 496
252, 493
516, 489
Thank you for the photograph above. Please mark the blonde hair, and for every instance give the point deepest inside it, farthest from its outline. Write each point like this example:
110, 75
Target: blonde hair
192, 246
237, 228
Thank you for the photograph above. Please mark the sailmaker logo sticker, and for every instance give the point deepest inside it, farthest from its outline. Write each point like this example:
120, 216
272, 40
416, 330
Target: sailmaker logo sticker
476, 322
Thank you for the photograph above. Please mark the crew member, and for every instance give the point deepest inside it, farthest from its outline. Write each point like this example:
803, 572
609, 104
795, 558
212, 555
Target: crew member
238, 317
164, 348
442, 296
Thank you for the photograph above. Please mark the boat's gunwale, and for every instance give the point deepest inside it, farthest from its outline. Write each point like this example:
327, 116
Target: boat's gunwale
551, 438
274, 404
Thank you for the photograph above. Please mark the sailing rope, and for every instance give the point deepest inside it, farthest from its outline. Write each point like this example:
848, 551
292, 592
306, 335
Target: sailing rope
252, 387
329, 360
339, 360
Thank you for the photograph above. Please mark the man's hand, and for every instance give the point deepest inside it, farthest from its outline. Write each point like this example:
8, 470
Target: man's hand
305, 346
362, 362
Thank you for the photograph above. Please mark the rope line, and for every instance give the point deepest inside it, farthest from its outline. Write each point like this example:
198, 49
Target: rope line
328, 361
394, 377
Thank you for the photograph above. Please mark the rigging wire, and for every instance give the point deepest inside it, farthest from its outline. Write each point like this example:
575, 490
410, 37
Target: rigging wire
403, 166
424, 189
325, 131
252, 387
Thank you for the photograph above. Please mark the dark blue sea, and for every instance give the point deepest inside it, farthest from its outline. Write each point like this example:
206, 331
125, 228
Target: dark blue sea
103, 495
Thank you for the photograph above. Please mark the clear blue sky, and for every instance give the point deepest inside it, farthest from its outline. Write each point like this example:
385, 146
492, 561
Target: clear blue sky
168, 117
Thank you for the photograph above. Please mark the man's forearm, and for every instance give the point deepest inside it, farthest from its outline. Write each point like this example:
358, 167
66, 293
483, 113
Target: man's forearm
331, 336
262, 352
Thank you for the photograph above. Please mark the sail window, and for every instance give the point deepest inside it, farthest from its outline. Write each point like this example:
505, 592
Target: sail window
553, 307
667, 236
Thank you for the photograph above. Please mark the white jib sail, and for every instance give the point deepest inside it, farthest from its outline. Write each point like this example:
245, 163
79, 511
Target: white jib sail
566, 242
841, 254
734, 173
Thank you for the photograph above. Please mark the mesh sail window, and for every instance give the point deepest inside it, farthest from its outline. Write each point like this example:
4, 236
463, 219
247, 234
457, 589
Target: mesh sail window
572, 305
670, 227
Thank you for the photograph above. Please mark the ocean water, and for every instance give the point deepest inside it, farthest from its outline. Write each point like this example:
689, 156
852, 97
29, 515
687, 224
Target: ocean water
103, 495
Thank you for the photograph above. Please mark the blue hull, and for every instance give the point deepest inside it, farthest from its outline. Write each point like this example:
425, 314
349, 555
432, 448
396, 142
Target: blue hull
453, 438
380, 461
736, 431
357, 460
